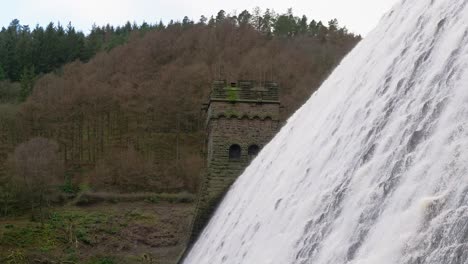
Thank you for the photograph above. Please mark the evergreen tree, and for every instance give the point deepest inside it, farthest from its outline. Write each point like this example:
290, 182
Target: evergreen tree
11, 60
220, 16
160, 26
186, 22
51, 48
39, 52
128, 27
285, 25
267, 22
2, 74
74, 43
46, 49
313, 29
27, 83
134, 26
145, 27
322, 31
333, 25
244, 18
202, 20
212, 21
303, 26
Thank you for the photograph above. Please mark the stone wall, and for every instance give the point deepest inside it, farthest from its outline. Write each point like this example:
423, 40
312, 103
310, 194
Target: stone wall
225, 132
242, 110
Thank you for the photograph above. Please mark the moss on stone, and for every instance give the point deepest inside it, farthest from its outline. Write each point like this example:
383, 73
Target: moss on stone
232, 94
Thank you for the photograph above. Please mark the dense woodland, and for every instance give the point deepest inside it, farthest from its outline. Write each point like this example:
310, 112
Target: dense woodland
45, 49
118, 110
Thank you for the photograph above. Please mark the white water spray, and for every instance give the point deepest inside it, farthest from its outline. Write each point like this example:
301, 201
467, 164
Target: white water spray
373, 169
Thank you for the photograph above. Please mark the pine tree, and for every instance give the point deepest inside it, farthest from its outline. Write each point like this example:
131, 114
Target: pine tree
211, 22
267, 22
11, 60
220, 16
313, 29
186, 21
27, 82
322, 31
333, 25
202, 20
244, 18
144, 27
160, 25
303, 27
2, 73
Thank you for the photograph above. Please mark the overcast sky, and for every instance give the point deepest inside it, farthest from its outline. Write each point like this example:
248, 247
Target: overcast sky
360, 16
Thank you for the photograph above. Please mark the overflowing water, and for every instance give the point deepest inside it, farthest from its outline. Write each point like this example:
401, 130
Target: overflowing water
373, 169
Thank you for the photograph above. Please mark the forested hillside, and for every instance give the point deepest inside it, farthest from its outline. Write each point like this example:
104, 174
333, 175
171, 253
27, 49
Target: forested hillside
45, 49
128, 119
27, 53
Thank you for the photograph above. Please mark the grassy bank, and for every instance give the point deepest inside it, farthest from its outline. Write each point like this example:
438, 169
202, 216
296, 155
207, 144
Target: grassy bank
104, 233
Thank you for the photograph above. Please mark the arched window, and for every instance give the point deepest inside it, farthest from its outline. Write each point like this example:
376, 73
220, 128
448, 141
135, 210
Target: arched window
253, 151
234, 152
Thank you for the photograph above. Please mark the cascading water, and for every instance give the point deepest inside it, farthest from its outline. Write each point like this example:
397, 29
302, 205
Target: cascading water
373, 169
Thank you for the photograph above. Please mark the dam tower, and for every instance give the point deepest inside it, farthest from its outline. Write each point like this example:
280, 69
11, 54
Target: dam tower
242, 117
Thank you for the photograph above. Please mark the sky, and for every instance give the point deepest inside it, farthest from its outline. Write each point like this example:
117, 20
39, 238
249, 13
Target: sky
359, 16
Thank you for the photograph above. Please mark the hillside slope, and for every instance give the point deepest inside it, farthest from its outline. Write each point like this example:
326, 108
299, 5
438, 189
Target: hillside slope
141, 101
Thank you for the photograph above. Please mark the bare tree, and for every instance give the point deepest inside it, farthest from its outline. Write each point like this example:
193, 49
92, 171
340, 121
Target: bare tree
38, 168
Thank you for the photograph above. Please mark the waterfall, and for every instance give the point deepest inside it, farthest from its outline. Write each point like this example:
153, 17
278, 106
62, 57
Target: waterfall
373, 169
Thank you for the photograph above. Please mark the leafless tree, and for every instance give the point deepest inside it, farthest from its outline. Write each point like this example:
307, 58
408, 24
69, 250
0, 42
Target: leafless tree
38, 169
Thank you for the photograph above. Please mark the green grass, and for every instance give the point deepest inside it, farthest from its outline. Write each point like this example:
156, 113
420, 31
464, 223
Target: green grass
62, 228
15, 256
182, 197
33, 235
79, 235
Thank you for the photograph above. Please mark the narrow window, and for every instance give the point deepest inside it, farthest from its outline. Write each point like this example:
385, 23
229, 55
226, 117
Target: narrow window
234, 152
253, 151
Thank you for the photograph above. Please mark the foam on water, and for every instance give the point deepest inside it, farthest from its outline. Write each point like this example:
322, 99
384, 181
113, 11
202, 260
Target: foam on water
374, 167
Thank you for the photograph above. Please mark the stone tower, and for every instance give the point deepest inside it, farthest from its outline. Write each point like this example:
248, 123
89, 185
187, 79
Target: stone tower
241, 118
